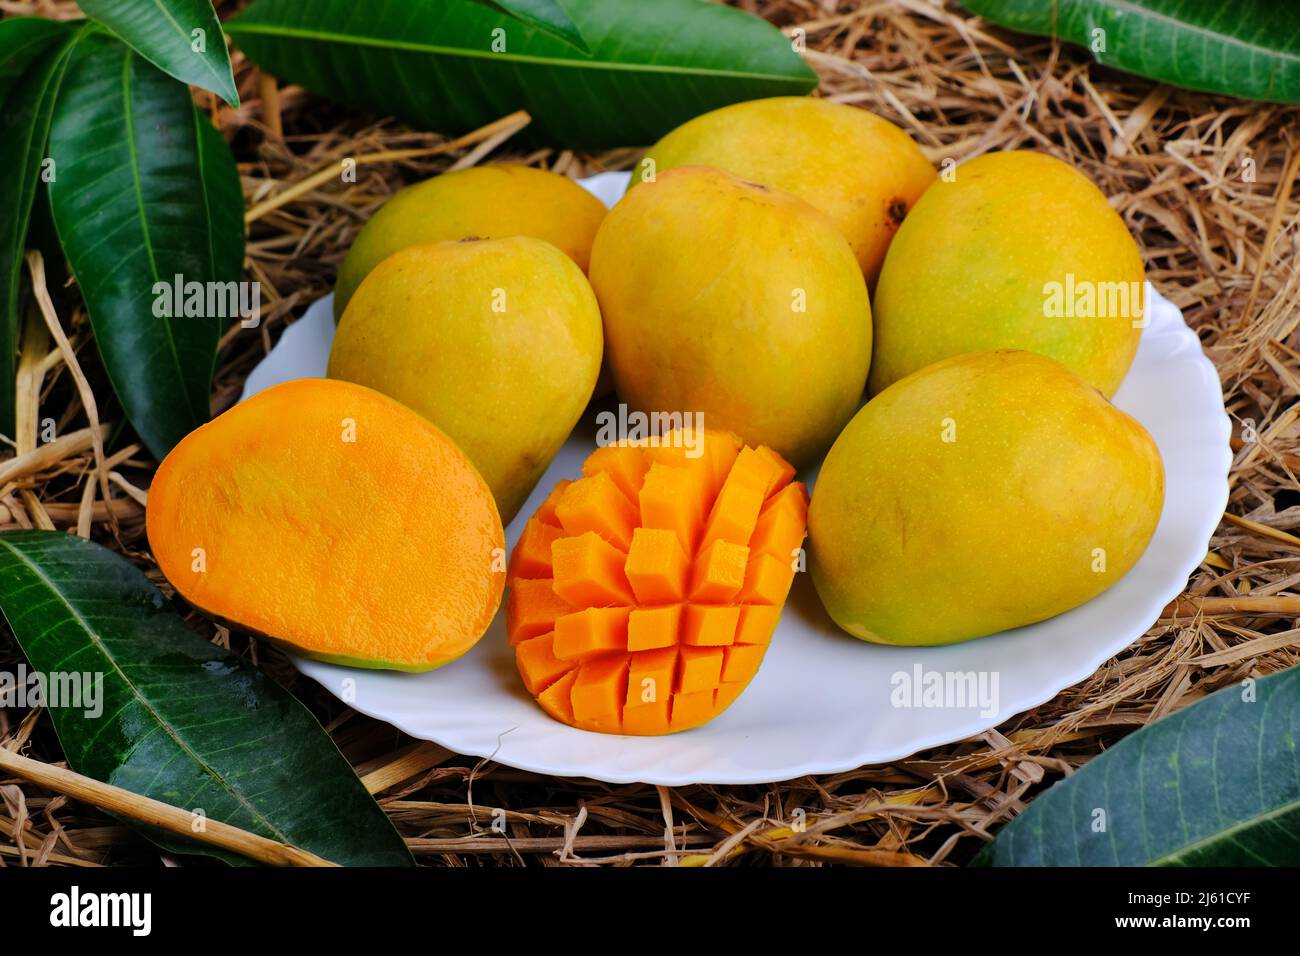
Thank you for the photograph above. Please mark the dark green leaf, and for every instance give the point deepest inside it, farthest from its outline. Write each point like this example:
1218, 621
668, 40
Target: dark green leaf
165, 33
1247, 48
22, 40
1215, 784
224, 198
180, 720
143, 194
42, 237
432, 63
546, 15
33, 59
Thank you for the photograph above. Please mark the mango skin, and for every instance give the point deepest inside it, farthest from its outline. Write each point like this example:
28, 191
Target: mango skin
858, 168
700, 276
968, 269
917, 540
508, 386
486, 202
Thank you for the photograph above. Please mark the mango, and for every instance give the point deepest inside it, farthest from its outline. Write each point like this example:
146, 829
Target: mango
861, 170
736, 301
644, 595
982, 493
487, 202
496, 341
1020, 251
335, 522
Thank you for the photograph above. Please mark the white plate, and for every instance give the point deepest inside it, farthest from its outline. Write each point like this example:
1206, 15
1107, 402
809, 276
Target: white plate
823, 701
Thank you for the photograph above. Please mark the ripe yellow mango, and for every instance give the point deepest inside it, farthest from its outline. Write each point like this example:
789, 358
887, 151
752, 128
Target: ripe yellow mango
982, 493
496, 341
486, 202
737, 301
861, 170
1020, 251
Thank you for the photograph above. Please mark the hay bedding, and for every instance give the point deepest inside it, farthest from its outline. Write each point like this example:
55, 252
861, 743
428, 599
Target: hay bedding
1207, 184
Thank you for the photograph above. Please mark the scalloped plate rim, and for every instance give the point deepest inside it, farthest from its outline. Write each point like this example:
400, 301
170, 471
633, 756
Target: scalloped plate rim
302, 356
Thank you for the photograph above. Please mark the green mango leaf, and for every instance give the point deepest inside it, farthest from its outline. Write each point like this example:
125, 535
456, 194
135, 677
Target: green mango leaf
1214, 784
224, 200
1247, 48
167, 33
546, 15
453, 65
179, 719
33, 58
22, 41
143, 194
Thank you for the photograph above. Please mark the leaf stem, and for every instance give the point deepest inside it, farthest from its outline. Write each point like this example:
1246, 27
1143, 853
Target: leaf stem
156, 813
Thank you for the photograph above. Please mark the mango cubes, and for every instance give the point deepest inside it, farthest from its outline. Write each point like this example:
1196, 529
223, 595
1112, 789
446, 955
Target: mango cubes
644, 594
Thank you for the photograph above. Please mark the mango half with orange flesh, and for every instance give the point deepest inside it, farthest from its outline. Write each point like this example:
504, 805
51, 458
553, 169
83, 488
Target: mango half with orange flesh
335, 521
644, 594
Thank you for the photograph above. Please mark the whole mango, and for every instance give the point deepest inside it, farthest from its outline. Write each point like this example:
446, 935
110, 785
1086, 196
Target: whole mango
735, 300
861, 170
1019, 251
495, 341
982, 493
486, 202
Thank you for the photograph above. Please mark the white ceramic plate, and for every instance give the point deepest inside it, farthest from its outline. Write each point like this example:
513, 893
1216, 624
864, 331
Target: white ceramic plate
822, 701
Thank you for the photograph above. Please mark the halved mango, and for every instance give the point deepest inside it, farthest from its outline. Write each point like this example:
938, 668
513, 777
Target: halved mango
644, 594
335, 521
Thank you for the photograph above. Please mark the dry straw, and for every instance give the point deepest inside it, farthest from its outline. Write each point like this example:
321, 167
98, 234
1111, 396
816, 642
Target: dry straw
1207, 184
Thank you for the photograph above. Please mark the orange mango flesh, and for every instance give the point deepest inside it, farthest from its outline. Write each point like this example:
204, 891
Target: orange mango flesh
644, 594
335, 521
